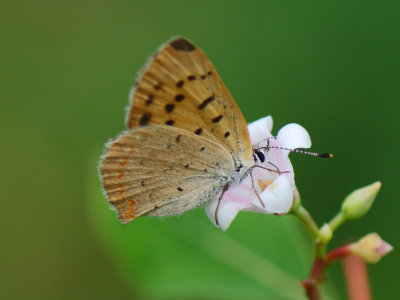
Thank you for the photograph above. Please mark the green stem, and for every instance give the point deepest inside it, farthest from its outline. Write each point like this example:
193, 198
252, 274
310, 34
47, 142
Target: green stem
321, 238
305, 217
337, 221
320, 250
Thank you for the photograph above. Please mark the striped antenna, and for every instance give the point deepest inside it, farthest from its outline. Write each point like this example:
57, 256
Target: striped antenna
325, 155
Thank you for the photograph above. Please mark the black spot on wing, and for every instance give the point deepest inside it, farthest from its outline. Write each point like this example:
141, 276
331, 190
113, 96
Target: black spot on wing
170, 122
206, 101
217, 119
180, 83
144, 120
149, 100
169, 107
181, 44
179, 97
198, 131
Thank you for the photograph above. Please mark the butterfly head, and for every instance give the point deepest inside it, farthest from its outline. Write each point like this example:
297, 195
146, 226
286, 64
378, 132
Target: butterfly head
260, 152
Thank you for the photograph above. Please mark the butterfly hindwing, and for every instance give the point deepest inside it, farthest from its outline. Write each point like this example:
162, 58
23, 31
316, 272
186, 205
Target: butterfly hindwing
181, 88
162, 170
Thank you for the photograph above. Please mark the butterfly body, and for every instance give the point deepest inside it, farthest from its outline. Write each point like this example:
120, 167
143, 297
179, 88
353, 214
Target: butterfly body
186, 140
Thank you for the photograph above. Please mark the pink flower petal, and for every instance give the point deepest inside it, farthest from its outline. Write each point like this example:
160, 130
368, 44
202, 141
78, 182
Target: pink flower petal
278, 196
227, 211
260, 129
293, 136
280, 159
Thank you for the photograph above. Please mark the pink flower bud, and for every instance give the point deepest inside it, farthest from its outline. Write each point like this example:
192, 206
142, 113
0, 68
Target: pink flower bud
371, 248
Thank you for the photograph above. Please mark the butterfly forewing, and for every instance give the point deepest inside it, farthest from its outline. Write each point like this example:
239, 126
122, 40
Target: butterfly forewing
162, 170
181, 88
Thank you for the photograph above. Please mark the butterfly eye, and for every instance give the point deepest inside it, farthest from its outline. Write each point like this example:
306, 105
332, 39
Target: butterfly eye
259, 155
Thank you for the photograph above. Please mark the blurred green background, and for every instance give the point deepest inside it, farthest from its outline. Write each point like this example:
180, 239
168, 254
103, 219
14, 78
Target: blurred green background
66, 68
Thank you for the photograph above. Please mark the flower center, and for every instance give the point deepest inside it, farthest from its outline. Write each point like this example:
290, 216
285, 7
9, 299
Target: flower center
263, 184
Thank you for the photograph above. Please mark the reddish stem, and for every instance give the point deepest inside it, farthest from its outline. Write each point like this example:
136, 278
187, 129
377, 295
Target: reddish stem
337, 253
356, 278
316, 277
311, 289
317, 272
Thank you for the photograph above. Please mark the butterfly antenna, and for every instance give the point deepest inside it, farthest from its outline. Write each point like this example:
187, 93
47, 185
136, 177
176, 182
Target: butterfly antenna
263, 140
316, 154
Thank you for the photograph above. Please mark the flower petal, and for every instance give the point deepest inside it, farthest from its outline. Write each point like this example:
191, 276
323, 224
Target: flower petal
236, 198
260, 129
281, 160
227, 211
293, 136
278, 196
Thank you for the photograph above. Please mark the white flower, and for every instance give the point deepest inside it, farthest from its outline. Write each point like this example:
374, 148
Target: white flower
276, 187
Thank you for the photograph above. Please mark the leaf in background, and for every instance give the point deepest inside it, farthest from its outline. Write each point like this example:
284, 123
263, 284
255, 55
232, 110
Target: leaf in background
185, 257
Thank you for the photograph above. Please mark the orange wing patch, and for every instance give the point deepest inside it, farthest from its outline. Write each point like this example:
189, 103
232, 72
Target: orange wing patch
123, 161
126, 210
120, 190
120, 174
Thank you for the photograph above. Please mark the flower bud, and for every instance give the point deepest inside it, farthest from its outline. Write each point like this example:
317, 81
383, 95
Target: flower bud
359, 201
325, 233
371, 248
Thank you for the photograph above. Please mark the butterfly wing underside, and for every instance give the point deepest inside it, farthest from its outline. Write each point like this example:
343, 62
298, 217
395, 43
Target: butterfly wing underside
181, 88
161, 170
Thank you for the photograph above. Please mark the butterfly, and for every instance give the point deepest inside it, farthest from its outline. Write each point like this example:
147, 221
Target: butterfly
187, 141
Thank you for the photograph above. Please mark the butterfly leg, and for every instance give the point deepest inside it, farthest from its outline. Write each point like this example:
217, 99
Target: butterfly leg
254, 187
271, 170
264, 168
219, 201
277, 169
